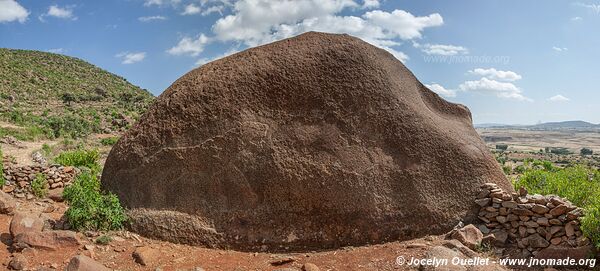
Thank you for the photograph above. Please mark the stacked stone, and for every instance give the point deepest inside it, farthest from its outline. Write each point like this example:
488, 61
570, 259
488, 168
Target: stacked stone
529, 222
19, 178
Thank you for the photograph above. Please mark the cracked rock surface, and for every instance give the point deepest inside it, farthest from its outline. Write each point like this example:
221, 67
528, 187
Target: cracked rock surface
313, 142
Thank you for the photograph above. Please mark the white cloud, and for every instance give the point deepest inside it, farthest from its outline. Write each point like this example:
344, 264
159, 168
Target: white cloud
441, 49
58, 12
496, 74
149, 3
576, 19
11, 11
559, 98
592, 7
189, 46
256, 22
152, 18
191, 9
441, 90
559, 49
213, 9
370, 4
56, 50
500, 89
403, 24
130, 58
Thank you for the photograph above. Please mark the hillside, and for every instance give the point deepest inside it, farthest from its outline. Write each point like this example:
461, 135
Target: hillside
53, 95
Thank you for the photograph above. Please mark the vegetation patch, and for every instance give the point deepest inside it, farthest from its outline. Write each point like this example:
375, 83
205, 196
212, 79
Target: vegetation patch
109, 141
90, 208
39, 185
578, 183
80, 158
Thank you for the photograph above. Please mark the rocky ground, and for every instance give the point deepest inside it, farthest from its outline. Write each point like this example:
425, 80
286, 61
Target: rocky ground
54, 250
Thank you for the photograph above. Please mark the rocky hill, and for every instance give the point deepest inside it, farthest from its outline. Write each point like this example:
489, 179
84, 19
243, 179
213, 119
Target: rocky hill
53, 95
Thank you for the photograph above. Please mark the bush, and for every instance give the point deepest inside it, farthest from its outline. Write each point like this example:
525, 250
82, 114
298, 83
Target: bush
90, 208
39, 186
2, 180
586, 151
109, 141
103, 240
501, 147
80, 158
579, 184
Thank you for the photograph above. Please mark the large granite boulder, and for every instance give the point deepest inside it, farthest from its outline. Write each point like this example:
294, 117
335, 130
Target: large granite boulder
316, 141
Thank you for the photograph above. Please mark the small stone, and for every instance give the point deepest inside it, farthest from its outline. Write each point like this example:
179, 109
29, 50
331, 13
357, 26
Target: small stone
310, 267
483, 202
7, 203
469, 235
555, 221
540, 209
569, 230
501, 219
556, 241
145, 255
512, 217
483, 229
509, 204
84, 263
559, 210
542, 221
522, 191
536, 241
524, 218
522, 212
18, 262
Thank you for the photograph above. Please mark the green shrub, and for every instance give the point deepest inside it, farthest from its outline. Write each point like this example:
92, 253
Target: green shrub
579, 184
80, 158
90, 208
501, 147
109, 141
586, 151
2, 180
39, 186
103, 240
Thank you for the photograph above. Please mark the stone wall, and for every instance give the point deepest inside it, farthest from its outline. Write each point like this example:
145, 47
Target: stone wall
19, 178
528, 223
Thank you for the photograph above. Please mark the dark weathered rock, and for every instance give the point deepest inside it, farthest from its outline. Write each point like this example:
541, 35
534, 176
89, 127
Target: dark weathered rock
48, 240
7, 203
469, 235
302, 143
562, 252
23, 222
84, 263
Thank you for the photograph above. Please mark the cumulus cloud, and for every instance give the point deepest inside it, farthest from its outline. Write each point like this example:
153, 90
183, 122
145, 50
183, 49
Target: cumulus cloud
58, 12
500, 89
255, 22
152, 18
11, 11
370, 4
558, 98
496, 74
149, 3
559, 49
56, 50
130, 58
191, 9
441, 49
190, 46
441, 90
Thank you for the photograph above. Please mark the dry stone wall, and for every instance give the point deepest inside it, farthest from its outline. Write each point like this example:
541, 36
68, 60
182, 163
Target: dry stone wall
528, 223
19, 178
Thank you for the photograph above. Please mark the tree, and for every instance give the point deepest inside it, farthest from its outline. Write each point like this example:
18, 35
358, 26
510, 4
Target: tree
586, 151
501, 147
67, 98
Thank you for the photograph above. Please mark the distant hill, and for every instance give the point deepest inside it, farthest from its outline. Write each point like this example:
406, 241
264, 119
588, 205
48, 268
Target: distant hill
59, 95
574, 124
560, 125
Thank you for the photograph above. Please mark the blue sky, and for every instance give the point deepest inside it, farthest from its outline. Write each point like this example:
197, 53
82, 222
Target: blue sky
509, 61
